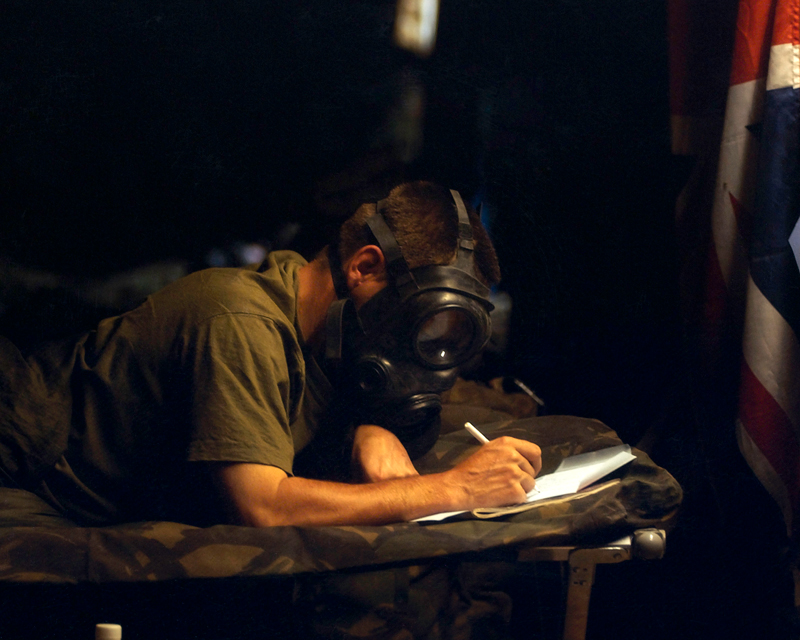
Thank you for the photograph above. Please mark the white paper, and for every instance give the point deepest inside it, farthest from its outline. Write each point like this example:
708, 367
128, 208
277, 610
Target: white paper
572, 475
576, 472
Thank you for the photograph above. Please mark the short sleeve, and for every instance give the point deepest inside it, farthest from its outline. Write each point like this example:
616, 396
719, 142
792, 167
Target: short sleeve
246, 375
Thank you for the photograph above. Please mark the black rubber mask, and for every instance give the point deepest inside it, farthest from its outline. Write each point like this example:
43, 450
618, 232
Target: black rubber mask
404, 347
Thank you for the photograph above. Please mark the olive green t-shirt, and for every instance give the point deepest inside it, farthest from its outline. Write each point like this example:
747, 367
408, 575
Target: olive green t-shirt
209, 369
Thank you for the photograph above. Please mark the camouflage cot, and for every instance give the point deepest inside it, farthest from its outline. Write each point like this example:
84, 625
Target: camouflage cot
408, 580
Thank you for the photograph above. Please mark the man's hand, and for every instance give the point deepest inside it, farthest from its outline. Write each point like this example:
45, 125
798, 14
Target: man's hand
500, 473
497, 474
379, 455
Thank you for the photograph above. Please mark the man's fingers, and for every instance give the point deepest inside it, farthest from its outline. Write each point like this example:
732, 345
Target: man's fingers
528, 483
500, 472
527, 467
532, 453
528, 450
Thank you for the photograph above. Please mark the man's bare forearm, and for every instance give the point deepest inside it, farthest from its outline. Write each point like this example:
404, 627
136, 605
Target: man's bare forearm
499, 473
300, 501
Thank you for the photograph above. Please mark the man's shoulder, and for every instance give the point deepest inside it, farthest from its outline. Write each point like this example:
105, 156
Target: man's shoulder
268, 289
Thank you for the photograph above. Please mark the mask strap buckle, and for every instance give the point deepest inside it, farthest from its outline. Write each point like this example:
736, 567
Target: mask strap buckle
466, 244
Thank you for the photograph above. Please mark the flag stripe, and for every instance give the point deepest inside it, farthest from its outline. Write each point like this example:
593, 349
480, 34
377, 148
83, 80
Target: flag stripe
735, 177
787, 19
772, 355
771, 431
766, 475
783, 67
753, 31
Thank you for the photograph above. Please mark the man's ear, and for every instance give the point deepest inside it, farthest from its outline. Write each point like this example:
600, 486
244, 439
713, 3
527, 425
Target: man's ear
367, 264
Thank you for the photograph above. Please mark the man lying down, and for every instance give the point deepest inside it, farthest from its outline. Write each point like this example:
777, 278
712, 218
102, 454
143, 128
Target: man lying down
198, 405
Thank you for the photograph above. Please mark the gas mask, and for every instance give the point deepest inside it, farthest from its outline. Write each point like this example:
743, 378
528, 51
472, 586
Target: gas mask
403, 348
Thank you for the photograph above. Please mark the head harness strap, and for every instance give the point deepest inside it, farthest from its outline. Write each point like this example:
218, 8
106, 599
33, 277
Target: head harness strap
396, 265
337, 310
337, 273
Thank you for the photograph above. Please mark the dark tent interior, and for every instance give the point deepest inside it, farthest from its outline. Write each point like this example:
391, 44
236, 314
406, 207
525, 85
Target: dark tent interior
141, 137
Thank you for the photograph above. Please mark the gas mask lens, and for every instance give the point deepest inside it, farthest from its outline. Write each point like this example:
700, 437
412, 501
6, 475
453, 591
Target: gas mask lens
445, 338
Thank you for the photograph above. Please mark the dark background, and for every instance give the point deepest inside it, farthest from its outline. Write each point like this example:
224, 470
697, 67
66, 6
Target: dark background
138, 132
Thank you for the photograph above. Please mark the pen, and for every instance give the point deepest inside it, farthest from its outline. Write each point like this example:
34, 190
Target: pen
483, 440
477, 434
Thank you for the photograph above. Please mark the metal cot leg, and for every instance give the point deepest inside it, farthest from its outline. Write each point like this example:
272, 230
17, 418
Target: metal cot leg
645, 544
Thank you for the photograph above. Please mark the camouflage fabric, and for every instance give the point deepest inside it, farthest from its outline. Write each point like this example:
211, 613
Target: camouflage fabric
483, 403
455, 580
37, 545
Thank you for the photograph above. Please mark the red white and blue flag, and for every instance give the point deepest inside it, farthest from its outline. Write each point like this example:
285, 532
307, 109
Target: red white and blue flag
752, 271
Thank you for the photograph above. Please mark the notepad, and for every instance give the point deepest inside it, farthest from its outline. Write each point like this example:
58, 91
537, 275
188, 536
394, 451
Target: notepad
572, 475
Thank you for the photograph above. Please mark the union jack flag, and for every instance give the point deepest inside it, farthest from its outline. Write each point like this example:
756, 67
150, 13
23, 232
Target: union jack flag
752, 270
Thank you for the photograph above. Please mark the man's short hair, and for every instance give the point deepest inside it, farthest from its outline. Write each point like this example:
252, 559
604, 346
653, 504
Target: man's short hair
422, 216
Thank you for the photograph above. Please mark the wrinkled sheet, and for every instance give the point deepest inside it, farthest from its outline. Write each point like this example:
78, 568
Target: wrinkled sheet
36, 545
